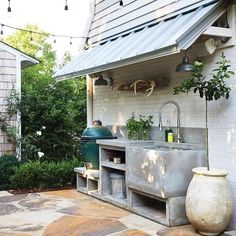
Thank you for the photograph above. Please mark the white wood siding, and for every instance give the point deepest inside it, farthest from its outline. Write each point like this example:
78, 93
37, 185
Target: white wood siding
8, 77
114, 107
110, 19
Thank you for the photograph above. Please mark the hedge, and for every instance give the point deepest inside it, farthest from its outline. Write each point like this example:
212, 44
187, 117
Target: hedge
44, 175
7, 165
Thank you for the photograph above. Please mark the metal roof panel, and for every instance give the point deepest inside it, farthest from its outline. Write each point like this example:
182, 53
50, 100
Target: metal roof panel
167, 37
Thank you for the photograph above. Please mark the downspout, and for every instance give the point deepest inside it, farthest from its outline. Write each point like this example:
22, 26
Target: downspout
18, 115
89, 83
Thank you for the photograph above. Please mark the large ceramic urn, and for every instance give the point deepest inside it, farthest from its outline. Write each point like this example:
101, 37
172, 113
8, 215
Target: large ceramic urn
209, 205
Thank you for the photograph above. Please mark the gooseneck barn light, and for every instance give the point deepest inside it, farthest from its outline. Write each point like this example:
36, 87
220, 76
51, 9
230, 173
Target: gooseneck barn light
185, 66
104, 79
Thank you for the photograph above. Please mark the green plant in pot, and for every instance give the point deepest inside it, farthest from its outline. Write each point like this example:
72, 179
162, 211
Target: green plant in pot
208, 200
145, 125
132, 126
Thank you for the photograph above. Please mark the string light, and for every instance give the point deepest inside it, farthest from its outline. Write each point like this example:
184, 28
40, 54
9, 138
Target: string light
31, 32
121, 3
31, 37
1, 32
66, 6
54, 40
9, 6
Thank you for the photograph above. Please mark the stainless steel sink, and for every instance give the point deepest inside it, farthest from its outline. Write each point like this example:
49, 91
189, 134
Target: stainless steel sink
163, 170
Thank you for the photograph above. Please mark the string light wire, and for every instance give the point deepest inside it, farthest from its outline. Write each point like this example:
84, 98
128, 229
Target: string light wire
31, 32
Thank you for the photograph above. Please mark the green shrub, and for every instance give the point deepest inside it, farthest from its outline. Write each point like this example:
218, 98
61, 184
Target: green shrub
7, 164
37, 174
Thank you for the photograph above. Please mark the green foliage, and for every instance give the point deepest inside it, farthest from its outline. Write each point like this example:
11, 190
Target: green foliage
37, 174
211, 89
58, 110
132, 124
145, 123
11, 109
7, 165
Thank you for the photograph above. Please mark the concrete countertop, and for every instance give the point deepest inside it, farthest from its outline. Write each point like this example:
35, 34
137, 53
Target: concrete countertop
188, 146
142, 143
124, 142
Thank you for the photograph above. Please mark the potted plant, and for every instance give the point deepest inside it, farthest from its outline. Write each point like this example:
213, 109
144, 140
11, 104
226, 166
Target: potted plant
208, 200
145, 125
132, 126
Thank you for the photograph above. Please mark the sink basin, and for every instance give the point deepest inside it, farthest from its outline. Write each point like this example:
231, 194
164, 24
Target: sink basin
163, 170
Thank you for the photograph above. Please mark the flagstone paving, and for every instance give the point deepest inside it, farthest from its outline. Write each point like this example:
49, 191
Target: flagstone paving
70, 213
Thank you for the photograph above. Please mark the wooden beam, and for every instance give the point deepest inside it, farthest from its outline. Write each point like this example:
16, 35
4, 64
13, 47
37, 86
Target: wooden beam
219, 31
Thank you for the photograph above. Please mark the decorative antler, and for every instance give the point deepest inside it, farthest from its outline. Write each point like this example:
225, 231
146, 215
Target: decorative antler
135, 85
144, 85
153, 85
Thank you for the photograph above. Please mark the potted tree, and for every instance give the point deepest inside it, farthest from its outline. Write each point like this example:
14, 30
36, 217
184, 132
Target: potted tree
208, 200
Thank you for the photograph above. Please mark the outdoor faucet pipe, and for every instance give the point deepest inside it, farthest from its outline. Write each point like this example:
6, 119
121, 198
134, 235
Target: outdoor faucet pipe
178, 117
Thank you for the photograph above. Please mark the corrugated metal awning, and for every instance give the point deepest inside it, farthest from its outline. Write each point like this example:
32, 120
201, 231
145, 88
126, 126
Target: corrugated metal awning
168, 36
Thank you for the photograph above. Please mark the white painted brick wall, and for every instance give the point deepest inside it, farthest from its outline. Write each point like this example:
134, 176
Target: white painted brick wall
114, 107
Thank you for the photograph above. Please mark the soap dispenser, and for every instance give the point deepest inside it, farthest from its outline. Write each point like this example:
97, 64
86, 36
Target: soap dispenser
167, 131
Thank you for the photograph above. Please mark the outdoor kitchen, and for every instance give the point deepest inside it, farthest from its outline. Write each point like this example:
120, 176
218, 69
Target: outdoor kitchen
148, 71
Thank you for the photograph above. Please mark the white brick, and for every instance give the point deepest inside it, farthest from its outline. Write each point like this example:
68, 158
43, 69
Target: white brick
114, 107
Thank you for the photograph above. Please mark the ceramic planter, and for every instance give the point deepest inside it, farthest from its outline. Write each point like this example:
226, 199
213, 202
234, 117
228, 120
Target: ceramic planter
209, 205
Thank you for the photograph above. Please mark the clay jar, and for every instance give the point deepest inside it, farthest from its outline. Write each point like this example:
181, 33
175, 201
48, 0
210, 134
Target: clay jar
209, 205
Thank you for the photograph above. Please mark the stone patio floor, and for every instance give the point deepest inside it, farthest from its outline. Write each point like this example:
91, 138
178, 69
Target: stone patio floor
70, 213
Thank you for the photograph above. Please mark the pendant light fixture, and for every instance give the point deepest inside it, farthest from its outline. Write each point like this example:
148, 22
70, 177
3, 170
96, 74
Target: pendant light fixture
66, 6
121, 3
100, 82
185, 66
9, 6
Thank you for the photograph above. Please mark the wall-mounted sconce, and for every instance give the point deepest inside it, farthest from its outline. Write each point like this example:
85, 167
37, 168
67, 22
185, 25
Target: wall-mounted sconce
185, 66
104, 79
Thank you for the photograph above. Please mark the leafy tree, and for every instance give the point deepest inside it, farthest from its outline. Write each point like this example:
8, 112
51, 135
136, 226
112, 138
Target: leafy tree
53, 114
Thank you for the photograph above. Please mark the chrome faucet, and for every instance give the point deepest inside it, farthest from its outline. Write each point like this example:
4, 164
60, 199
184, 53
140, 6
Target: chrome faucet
178, 117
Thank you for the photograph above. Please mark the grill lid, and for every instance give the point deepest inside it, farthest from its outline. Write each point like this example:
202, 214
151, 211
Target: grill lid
96, 132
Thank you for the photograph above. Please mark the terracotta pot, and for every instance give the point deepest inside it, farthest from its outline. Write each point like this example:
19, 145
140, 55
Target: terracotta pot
209, 204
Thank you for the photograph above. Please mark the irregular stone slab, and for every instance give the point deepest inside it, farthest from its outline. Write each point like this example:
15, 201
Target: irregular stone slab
31, 228
134, 221
35, 202
83, 226
131, 232
12, 198
14, 234
230, 233
7, 209
69, 194
4, 194
95, 209
186, 230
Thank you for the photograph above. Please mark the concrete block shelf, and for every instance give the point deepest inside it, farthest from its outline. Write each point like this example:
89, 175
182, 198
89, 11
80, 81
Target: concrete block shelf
129, 179
86, 180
